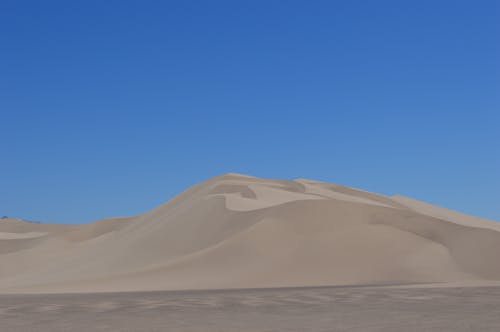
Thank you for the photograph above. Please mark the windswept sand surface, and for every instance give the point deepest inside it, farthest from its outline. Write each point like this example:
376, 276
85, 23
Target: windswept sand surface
298, 309
237, 231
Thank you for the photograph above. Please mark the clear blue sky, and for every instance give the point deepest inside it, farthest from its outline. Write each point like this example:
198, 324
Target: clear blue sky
110, 108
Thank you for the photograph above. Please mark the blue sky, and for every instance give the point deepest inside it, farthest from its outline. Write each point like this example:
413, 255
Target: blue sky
110, 108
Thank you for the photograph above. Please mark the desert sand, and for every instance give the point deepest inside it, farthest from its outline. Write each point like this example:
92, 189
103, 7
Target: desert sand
237, 231
239, 253
323, 309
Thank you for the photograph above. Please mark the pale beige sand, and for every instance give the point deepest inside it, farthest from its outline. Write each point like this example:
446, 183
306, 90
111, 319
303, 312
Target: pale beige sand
27, 235
237, 231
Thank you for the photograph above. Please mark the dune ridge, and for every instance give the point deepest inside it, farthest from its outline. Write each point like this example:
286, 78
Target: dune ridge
238, 231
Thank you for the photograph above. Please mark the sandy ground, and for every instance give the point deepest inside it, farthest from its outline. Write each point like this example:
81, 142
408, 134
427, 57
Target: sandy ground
293, 309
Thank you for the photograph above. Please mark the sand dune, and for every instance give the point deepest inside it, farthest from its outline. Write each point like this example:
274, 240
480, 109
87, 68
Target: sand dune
13, 236
237, 231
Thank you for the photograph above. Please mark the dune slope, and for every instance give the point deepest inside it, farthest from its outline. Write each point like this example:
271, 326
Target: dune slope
237, 231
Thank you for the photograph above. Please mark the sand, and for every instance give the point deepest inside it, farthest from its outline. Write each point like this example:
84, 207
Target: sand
324, 309
237, 231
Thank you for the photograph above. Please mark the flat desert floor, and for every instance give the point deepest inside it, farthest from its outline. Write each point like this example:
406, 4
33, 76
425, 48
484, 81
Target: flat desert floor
287, 309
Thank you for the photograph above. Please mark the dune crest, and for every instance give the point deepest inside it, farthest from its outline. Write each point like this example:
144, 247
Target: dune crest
238, 231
